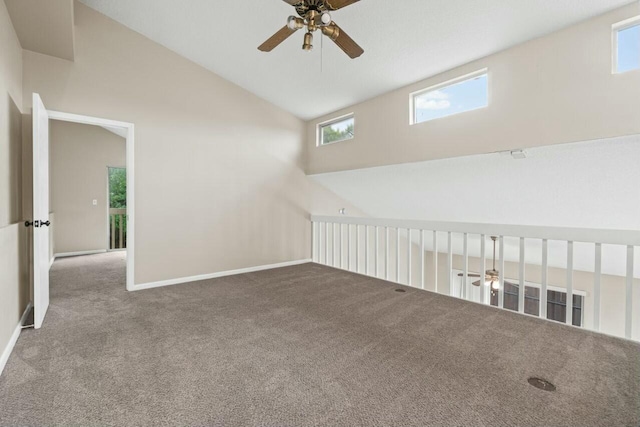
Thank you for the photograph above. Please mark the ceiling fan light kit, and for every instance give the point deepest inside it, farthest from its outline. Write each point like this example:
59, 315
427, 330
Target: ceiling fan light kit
308, 42
315, 15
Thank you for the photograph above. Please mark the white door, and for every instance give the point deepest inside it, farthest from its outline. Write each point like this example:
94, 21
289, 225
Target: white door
41, 261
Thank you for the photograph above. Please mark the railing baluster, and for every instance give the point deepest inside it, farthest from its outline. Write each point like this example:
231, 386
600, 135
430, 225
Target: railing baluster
483, 267
522, 289
434, 256
313, 241
333, 245
628, 314
386, 252
597, 279
349, 247
366, 250
569, 310
450, 265
113, 231
340, 245
320, 247
326, 243
543, 285
409, 256
501, 274
465, 292
397, 255
422, 259
121, 229
375, 258
357, 248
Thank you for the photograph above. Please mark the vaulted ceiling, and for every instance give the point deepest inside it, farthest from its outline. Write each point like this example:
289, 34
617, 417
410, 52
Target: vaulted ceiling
404, 41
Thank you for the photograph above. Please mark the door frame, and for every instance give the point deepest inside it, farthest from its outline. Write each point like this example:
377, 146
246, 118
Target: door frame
127, 130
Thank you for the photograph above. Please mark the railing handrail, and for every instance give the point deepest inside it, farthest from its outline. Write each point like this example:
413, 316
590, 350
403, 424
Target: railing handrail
117, 211
570, 234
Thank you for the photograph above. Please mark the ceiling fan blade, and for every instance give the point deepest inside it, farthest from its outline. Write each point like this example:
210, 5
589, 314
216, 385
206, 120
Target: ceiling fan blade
476, 283
338, 4
343, 40
276, 39
469, 275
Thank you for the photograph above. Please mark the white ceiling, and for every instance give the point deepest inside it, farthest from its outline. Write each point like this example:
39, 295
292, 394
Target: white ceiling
404, 41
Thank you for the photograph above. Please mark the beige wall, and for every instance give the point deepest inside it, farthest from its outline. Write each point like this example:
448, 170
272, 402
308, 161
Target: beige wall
80, 155
44, 26
10, 122
14, 290
219, 172
555, 89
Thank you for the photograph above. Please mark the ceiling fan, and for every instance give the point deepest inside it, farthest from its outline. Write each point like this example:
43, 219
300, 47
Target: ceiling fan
491, 277
315, 15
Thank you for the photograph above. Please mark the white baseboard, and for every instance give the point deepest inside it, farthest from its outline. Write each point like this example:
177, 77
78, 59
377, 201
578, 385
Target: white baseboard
67, 254
180, 280
4, 358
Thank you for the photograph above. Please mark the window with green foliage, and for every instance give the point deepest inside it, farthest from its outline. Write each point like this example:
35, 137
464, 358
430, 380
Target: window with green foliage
340, 129
117, 208
117, 188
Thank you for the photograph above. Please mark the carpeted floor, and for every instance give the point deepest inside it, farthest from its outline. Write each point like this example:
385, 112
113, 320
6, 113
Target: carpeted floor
302, 346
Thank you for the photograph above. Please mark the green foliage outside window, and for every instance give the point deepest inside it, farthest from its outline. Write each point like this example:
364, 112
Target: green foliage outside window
118, 194
332, 134
117, 188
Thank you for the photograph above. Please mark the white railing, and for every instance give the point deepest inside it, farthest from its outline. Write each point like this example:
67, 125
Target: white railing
365, 246
117, 228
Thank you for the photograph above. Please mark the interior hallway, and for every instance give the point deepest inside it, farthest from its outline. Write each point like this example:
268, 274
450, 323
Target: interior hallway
304, 345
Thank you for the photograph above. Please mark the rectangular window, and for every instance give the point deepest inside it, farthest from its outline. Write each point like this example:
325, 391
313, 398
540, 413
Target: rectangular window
627, 46
556, 298
336, 130
556, 302
466, 93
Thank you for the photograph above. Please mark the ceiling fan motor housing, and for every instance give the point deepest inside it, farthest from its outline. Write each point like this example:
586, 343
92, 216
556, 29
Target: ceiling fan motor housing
318, 6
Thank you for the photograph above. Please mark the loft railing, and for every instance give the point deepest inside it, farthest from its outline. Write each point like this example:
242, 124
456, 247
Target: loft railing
366, 246
117, 228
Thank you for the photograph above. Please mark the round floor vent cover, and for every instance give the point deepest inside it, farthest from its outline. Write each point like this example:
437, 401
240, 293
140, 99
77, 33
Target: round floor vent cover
400, 290
541, 384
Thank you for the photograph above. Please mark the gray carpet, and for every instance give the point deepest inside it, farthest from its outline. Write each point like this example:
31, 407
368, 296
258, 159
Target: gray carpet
302, 346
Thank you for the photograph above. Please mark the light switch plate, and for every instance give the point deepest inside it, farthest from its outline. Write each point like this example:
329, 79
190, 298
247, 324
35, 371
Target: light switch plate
95, 202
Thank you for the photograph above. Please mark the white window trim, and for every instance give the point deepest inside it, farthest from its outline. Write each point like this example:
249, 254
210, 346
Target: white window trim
413, 95
615, 28
319, 127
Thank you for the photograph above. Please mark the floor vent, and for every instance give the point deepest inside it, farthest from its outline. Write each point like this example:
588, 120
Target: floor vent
400, 290
541, 384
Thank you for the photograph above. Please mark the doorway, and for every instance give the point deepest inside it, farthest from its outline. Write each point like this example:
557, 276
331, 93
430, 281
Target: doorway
41, 207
